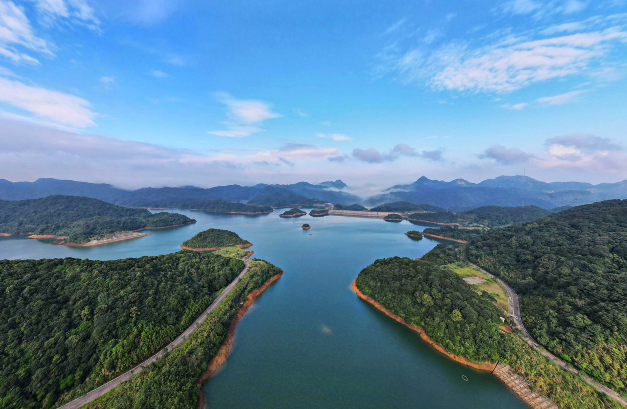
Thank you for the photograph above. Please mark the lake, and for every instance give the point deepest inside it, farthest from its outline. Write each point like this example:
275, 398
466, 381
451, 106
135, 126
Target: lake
309, 341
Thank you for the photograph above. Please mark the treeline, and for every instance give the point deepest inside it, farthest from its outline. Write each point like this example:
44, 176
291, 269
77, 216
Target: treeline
278, 197
404, 206
293, 212
570, 271
440, 302
352, 207
69, 325
212, 238
456, 232
213, 206
171, 382
79, 218
489, 216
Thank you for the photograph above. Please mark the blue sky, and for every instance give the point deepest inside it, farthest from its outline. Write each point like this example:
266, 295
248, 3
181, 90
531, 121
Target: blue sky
152, 93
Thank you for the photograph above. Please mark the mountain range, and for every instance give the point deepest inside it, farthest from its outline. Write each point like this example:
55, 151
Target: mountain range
458, 194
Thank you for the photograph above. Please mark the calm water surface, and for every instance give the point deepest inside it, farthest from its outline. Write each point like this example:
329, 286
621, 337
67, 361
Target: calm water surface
309, 342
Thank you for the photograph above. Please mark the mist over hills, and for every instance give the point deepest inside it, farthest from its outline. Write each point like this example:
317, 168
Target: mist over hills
458, 194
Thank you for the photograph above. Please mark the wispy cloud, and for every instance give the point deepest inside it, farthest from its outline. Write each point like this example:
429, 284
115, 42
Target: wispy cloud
326, 123
518, 107
335, 136
59, 107
506, 156
372, 155
560, 99
508, 62
54, 11
158, 74
300, 112
539, 9
297, 152
244, 115
108, 80
16, 30
394, 27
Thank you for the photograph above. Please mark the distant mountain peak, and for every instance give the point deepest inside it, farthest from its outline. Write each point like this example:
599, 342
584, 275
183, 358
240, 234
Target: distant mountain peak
338, 184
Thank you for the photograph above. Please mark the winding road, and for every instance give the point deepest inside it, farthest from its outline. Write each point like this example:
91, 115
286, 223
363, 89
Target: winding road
114, 383
514, 312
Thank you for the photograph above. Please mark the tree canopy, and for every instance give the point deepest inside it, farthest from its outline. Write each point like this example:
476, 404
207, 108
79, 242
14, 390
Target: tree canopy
215, 238
79, 218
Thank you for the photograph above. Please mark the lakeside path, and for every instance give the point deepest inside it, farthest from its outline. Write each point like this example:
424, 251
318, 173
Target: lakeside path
514, 311
114, 383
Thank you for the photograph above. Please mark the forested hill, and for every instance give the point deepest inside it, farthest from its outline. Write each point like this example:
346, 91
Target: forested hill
570, 270
213, 206
79, 218
490, 216
70, 324
215, 238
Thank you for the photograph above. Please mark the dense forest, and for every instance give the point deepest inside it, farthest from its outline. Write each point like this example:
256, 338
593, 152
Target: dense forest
570, 271
414, 234
466, 323
293, 212
71, 324
352, 207
79, 218
214, 206
278, 197
456, 232
393, 217
489, 216
319, 212
440, 302
215, 238
171, 382
404, 207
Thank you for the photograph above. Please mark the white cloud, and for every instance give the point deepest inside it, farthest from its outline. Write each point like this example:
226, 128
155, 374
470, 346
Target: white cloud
509, 62
245, 115
236, 131
300, 112
517, 107
107, 80
158, 74
56, 106
16, 30
394, 27
297, 152
560, 99
80, 11
335, 136
540, 9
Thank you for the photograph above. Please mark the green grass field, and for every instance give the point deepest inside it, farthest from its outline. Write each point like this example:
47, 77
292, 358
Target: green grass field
490, 285
232, 252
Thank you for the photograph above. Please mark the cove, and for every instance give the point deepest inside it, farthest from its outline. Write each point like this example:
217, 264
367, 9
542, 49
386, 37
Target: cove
309, 341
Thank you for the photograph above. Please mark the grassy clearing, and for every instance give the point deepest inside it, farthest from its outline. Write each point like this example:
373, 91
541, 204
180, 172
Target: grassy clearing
490, 286
232, 252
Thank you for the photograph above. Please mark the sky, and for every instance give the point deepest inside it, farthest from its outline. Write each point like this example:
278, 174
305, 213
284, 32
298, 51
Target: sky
143, 93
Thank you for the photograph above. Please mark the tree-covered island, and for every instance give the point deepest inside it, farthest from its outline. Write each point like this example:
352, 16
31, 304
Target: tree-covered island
414, 234
293, 212
215, 239
318, 212
393, 217
77, 220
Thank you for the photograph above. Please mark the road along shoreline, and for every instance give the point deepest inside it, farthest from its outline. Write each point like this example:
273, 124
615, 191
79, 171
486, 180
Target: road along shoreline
223, 353
482, 366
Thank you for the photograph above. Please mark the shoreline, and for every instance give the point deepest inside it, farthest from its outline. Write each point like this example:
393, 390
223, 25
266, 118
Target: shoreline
482, 366
241, 246
166, 227
413, 236
223, 353
115, 237
286, 216
428, 222
434, 236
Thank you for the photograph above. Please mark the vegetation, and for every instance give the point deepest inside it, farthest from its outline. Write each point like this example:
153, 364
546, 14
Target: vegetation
217, 206
306, 226
319, 212
293, 212
393, 217
215, 238
456, 232
404, 206
353, 207
414, 234
489, 216
70, 325
278, 197
441, 254
232, 252
79, 218
570, 271
172, 382
465, 323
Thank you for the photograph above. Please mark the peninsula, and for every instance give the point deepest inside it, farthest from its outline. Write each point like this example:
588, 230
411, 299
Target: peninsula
215, 239
414, 234
75, 220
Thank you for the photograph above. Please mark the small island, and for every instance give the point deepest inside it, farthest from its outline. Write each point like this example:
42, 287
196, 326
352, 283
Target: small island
353, 207
306, 226
414, 234
393, 217
294, 212
215, 239
319, 212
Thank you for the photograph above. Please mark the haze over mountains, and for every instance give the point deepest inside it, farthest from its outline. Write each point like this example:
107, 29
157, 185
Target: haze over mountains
458, 194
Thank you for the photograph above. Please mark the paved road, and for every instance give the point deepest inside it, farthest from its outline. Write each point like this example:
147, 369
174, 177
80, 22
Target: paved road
114, 383
514, 312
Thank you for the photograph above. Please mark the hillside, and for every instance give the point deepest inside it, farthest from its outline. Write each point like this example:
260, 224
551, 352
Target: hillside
215, 206
404, 206
352, 207
79, 218
215, 238
69, 325
489, 216
506, 191
570, 271
279, 197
